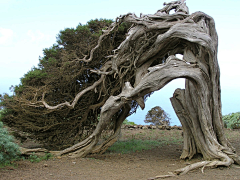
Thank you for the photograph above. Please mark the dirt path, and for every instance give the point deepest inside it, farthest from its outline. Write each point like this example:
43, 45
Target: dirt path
134, 166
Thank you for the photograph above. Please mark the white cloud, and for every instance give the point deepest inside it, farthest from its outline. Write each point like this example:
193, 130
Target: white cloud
5, 35
37, 36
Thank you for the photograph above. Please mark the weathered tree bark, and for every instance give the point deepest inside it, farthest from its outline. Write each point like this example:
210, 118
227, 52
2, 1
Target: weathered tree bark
147, 59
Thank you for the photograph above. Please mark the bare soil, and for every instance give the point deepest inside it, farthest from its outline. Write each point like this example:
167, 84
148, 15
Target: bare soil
113, 166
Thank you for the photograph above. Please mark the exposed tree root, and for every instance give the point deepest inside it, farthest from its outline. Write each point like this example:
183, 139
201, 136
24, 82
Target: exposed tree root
81, 149
25, 151
227, 161
100, 149
236, 166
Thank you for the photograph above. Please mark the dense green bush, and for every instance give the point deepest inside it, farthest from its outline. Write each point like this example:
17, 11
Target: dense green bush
232, 120
8, 149
126, 122
34, 158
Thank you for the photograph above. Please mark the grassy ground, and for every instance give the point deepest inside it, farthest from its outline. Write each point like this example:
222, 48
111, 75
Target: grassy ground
138, 140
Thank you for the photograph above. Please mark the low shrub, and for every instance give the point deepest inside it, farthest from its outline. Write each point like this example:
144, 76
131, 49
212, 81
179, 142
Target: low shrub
35, 158
232, 120
126, 122
9, 150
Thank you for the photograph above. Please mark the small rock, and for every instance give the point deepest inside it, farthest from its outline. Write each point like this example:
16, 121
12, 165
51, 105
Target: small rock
168, 127
162, 127
151, 178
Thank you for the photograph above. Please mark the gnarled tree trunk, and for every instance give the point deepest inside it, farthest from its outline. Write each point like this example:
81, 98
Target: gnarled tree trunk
147, 59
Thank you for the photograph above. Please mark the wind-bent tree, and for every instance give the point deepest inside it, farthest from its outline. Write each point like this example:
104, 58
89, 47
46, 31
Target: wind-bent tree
144, 62
157, 116
63, 77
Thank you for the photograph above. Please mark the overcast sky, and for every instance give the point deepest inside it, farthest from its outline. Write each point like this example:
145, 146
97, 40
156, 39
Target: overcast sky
27, 27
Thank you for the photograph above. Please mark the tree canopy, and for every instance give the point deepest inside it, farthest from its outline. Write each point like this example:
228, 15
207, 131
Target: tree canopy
157, 116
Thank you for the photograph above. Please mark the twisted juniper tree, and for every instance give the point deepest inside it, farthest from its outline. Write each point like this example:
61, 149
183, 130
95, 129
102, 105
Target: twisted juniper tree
144, 62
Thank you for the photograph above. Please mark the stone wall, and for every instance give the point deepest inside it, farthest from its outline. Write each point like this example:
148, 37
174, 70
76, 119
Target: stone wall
136, 127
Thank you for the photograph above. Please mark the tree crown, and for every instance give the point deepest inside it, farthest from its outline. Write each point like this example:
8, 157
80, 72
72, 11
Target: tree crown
157, 116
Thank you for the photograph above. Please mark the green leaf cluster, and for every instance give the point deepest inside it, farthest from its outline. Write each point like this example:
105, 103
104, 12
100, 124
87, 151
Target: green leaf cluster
127, 122
9, 150
232, 120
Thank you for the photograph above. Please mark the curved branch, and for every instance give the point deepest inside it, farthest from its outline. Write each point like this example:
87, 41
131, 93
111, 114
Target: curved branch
78, 96
103, 73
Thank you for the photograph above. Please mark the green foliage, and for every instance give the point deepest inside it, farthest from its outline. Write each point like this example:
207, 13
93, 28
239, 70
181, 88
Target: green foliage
1, 111
232, 120
132, 141
157, 116
126, 122
9, 150
34, 158
50, 59
4, 111
96, 25
136, 141
34, 76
